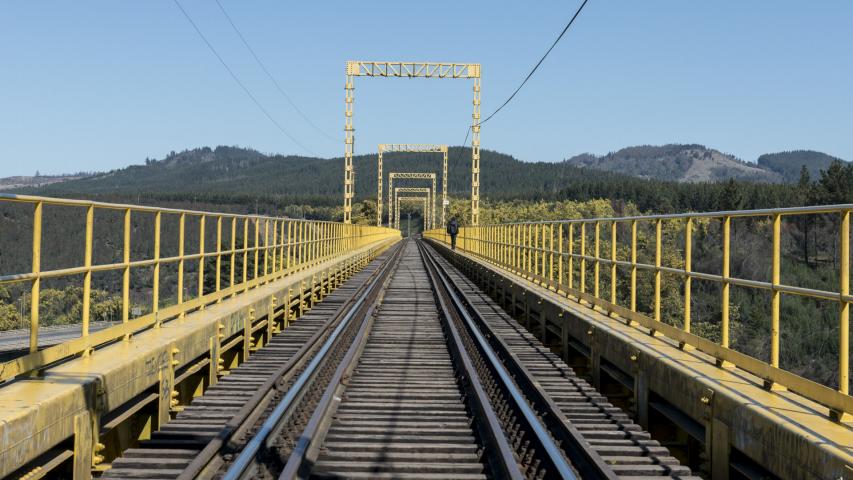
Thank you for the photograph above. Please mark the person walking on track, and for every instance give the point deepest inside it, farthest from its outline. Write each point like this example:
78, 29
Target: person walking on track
453, 230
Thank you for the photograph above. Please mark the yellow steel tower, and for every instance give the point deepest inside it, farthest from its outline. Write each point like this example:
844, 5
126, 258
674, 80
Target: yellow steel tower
357, 68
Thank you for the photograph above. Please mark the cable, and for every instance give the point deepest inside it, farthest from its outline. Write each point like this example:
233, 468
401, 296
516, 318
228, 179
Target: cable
267, 72
568, 25
236, 79
538, 63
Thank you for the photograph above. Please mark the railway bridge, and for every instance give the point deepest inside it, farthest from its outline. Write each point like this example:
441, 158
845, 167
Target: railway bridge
248, 346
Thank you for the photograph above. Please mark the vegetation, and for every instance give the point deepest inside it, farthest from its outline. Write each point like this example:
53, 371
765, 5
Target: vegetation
790, 164
244, 181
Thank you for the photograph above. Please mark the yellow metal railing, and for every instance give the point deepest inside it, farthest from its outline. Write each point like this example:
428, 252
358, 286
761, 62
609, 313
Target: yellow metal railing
548, 253
271, 248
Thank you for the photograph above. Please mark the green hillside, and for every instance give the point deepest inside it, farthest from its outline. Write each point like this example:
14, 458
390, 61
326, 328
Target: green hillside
789, 164
231, 175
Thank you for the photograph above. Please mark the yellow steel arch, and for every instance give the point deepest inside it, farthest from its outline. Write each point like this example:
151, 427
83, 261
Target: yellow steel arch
411, 148
357, 68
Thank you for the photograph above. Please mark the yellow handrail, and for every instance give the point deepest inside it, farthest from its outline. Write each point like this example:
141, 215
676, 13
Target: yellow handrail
302, 244
517, 248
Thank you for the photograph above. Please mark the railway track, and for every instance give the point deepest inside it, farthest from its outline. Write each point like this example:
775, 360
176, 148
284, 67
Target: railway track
627, 450
408, 371
201, 436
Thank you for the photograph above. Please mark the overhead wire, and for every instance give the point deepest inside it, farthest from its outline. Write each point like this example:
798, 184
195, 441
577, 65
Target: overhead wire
272, 78
529, 75
238, 81
536, 67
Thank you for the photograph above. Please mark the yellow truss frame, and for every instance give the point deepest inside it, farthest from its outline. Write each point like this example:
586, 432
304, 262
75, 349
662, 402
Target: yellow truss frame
411, 176
402, 199
422, 190
411, 148
358, 68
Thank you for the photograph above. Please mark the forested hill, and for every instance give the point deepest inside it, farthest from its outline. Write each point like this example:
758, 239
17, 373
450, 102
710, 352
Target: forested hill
790, 164
697, 163
244, 178
237, 171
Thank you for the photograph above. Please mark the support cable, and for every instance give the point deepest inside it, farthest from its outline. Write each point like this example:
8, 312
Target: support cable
240, 83
568, 25
272, 79
535, 67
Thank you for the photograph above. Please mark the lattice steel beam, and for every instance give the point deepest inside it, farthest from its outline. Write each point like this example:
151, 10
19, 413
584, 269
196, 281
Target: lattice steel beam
360, 68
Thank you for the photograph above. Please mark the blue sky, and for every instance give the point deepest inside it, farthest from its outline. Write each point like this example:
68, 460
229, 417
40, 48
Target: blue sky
96, 85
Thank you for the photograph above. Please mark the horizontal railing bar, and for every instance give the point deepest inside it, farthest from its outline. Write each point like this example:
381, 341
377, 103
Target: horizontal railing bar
787, 211
67, 202
741, 282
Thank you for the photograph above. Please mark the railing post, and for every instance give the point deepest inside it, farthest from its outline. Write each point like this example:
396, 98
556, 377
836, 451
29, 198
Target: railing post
571, 259
688, 268
125, 277
597, 264
181, 225
583, 257
724, 311
559, 256
613, 270
257, 243
155, 282
201, 259
633, 267
35, 287
534, 253
245, 253
233, 259
266, 246
301, 245
517, 251
775, 294
844, 310
217, 281
658, 225
87, 276
281, 246
274, 247
289, 244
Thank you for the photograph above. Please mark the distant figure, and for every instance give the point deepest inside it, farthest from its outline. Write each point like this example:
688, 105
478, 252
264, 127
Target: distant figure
453, 230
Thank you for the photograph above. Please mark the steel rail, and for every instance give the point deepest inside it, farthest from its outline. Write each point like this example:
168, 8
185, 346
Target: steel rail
553, 454
261, 397
502, 462
504, 465
241, 465
296, 462
589, 463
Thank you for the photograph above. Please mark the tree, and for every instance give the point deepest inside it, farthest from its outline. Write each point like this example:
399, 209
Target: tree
835, 184
731, 196
804, 189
